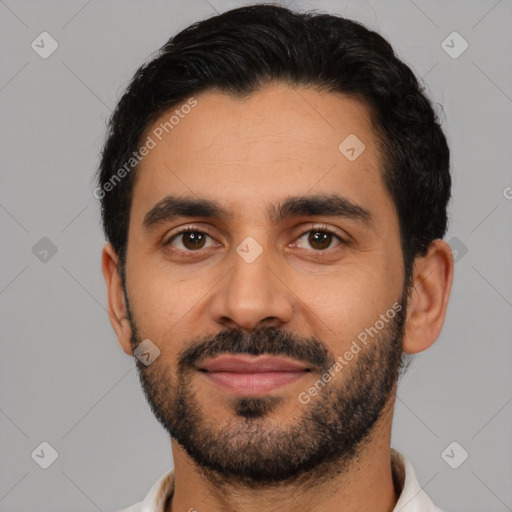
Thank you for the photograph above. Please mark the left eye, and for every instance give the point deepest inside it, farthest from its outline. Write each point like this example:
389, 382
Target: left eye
190, 240
319, 239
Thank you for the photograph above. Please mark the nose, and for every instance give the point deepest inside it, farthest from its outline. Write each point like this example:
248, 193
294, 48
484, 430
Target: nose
252, 295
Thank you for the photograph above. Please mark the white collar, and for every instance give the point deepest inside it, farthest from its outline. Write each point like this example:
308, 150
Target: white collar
412, 498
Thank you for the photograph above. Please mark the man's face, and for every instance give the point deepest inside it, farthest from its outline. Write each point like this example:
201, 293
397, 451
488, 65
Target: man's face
251, 308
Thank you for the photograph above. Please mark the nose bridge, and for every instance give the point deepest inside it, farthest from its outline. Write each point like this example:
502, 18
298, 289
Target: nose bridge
252, 293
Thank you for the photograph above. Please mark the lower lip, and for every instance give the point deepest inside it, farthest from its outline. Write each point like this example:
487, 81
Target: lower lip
251, 384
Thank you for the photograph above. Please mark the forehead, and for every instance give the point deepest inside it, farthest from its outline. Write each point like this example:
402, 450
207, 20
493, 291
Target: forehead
276, 142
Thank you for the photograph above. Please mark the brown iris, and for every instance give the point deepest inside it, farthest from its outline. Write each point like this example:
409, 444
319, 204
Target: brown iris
193, 239
320, 239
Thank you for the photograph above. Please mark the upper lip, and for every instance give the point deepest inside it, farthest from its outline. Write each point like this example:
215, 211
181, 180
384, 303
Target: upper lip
251, 364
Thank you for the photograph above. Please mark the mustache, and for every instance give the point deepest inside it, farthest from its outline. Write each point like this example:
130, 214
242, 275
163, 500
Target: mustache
267, 340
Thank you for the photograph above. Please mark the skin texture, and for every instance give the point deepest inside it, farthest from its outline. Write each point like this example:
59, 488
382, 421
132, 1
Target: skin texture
250, 154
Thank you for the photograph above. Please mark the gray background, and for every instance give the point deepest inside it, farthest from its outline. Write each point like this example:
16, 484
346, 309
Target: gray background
64, 378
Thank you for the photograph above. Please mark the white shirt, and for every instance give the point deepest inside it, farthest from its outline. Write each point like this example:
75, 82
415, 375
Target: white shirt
412, 498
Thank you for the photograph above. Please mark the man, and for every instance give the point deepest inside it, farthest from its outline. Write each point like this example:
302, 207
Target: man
274, 189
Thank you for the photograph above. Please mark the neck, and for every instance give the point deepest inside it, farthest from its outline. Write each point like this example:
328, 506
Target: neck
366, 483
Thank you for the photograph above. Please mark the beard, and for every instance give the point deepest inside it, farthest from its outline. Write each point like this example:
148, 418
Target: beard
255, 448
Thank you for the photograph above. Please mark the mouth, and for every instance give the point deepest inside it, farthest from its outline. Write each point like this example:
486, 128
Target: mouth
246, 375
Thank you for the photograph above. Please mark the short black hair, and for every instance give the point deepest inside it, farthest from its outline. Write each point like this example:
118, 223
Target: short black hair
243, 49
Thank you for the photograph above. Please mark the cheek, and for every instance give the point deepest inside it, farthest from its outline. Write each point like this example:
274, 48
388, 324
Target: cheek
168, 309
343, 305
156, 300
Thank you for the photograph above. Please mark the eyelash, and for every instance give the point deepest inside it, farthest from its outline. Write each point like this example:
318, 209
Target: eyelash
205, 231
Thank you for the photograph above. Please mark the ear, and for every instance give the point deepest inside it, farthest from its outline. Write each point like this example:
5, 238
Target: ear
428, 302
117, 309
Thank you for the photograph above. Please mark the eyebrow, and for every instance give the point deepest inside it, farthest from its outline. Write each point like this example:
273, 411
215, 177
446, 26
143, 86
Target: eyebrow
331, 205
